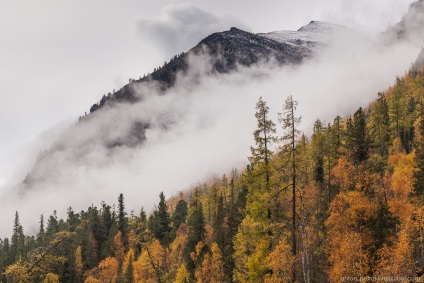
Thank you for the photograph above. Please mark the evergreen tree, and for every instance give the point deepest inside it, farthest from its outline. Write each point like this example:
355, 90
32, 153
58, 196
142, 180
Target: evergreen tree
129, 271
196, 229
41, 232
380, 125
17, 248
337, 135
113, 231
163, 229
52, 226
96, 233
318, 143
180, 215
122, 219
7, 252
357, 138
218, 224
72, 219
152, 222
419, 155
235, 217
143, 216
333, 136
106, 220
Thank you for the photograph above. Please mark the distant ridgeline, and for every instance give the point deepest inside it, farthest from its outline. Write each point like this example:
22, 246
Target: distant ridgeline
346, 202
227, 50
231, 48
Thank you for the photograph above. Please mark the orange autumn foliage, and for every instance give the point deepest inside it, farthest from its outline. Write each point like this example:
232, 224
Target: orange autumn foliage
108, 270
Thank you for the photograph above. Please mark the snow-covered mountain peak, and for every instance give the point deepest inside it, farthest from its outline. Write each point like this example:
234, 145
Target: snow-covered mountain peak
315, 35
321, 27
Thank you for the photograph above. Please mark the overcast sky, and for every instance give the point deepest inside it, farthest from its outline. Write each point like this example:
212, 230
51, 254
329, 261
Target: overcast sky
57, 58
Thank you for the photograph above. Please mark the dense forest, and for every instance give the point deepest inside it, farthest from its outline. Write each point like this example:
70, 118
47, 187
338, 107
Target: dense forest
345, 204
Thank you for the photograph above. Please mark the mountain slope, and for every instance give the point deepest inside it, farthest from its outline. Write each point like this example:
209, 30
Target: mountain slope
314, 36
410, 28
103, 134
235, 47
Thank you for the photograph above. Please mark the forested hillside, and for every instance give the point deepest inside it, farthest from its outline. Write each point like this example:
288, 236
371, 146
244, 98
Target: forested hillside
347, 201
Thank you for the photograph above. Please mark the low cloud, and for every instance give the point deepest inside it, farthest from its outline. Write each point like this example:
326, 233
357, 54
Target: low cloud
182, 26
368, 17
200, 128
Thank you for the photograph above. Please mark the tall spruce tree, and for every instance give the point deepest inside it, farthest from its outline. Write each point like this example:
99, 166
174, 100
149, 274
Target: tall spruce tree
196, 229
129, 271
219, 222
180, 215
380, 122
52, 226
419, 155
163, 228
41, 232
17, 247
357, 137
318, 143
122, 218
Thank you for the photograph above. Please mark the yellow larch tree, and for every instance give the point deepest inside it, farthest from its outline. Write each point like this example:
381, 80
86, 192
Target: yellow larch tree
281, 263
183, 276
51, 278
108, 270
78, 265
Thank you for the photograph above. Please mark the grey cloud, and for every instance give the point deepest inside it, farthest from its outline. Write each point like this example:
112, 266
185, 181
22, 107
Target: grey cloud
368, 17
410, 27
182, 26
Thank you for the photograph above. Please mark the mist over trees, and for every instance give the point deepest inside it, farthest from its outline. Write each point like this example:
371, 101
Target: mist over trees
345, 202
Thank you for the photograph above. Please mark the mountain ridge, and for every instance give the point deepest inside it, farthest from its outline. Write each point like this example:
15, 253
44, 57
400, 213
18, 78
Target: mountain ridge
229, 49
